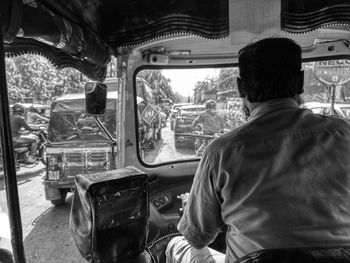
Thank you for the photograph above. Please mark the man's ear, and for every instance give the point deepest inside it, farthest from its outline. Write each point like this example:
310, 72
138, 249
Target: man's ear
240, 86
300, 89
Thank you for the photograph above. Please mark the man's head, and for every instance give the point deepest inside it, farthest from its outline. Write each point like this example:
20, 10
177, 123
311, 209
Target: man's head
270, 69
18, 109
210, 105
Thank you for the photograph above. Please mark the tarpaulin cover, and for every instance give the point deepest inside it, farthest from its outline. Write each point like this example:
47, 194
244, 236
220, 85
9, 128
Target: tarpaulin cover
68, 122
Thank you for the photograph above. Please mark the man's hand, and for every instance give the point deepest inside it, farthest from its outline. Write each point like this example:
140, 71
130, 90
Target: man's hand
184, 199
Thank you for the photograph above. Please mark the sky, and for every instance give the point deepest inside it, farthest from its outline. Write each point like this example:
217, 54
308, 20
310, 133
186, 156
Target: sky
184, 80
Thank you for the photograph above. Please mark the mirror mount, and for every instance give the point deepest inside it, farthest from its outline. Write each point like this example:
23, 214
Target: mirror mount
103, 128
96, 103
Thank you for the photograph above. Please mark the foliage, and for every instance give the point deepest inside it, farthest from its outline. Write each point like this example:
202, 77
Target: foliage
33, 76
112, 68
178, 98
314, 90
208, 88
159, 83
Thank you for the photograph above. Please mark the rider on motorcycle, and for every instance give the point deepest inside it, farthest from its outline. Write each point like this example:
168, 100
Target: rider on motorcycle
17, 123
33, 116
211, 122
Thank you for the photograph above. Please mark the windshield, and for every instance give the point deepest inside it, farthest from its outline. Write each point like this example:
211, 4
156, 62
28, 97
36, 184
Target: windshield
188, 127
346, 111
68, 121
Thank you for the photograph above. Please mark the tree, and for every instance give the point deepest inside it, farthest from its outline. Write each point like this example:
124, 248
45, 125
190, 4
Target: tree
34, 76
14, 81
178, 98
112, 68
205, 90
158, 82
227, 79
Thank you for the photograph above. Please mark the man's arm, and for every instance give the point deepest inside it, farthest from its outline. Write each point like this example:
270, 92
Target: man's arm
197, 120
25, 125
39, 117
201, 220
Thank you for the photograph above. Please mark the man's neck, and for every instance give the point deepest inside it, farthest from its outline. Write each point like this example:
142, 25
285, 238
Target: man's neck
253, 105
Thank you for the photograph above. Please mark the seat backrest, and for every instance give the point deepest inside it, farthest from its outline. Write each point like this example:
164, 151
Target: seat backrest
299, 255
109, 215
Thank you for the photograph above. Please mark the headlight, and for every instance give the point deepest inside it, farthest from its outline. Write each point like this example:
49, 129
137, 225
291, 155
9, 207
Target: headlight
52, 160
181, 121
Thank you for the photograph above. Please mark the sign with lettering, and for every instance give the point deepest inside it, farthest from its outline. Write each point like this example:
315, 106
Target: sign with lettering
333, 72
149, 114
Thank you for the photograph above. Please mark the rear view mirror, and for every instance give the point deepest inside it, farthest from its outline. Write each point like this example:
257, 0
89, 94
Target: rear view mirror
95, 98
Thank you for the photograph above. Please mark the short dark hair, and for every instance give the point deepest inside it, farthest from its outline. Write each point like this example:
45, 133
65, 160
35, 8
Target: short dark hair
269, 68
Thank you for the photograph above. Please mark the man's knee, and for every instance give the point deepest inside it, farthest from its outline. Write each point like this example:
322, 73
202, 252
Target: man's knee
175, 249
180, 251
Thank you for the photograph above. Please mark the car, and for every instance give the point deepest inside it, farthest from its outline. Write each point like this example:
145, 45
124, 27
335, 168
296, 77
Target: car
175, 111
183, 125
179, 105
341, 109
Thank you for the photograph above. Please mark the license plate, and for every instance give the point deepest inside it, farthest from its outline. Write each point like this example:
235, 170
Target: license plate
54, 175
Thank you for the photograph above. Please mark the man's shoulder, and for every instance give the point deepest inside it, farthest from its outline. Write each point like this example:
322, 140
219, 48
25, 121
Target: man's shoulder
265, 128
334, 122
229, 140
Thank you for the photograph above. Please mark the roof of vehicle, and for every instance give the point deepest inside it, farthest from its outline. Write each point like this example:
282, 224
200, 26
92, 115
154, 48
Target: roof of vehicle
79, 96
177, 105
38, 106
192, 107
189, 29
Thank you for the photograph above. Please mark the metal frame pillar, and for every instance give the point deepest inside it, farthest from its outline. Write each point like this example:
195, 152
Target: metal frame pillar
9, 164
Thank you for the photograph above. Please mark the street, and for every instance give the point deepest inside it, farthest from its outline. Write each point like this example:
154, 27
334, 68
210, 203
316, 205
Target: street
165, 149
46, 233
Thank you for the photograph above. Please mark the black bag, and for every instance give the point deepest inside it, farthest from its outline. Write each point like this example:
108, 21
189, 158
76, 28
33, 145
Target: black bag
109, 215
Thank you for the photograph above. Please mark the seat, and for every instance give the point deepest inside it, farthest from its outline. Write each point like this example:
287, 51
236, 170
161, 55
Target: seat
299, 255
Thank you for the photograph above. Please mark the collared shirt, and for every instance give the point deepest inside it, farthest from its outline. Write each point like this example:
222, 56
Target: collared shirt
34, 118
280, 180
211, 122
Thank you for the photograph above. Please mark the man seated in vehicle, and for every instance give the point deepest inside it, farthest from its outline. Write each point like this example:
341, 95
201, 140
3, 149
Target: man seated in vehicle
281, 180
210, 120
34, 118
17, 123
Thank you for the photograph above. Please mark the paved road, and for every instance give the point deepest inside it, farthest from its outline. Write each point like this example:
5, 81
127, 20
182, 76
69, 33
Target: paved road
46, 234
165, 149
45, 227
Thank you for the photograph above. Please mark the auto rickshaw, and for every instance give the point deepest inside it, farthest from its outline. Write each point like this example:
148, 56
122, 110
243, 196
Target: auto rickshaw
126, 213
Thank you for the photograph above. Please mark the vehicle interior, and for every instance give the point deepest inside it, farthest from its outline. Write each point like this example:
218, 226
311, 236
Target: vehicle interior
175, 37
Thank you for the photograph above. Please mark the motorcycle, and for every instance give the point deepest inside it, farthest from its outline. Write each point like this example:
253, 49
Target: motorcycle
22, 151
202, 141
